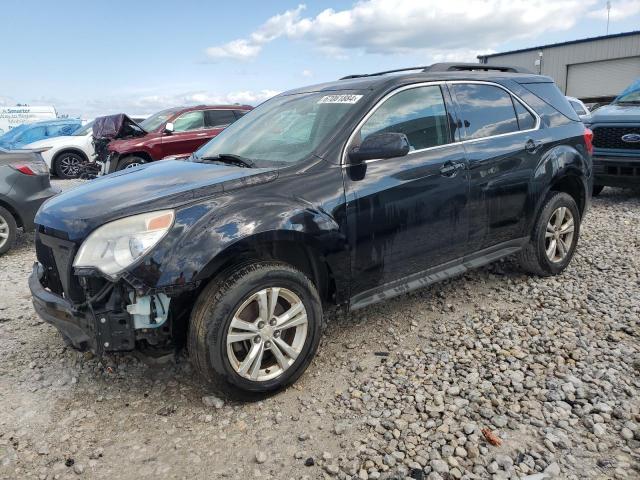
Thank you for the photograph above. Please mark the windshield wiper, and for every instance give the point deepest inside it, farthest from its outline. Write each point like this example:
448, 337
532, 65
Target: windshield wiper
628, 102
228, 158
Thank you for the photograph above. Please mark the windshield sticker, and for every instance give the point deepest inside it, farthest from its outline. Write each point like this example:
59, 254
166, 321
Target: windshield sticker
340, 99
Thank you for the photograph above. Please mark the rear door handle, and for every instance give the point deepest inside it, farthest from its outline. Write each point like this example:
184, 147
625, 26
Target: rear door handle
450, 169
532, 146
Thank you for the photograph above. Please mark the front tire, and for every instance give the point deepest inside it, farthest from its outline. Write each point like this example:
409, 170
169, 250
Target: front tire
67, 165
258, 327
130, 161
554, 237
8, 229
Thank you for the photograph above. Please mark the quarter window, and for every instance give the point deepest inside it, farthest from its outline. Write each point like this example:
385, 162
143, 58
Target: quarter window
526, 121
219, 118
189, 121
419, 113
486, 110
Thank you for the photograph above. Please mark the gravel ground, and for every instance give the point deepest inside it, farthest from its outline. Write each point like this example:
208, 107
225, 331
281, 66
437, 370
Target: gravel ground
423, 386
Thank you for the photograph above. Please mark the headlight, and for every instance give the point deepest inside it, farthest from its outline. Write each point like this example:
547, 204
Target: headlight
113, 247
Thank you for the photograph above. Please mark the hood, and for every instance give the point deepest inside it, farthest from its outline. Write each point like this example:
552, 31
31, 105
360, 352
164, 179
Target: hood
157, 185
616, 113
116, 126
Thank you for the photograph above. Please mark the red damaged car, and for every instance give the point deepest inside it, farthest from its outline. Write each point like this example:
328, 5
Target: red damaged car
176, 131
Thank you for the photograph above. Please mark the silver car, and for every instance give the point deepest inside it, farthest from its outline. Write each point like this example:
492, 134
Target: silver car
581, 109
24, 186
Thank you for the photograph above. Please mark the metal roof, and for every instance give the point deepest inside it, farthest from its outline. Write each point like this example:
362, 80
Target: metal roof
560, 44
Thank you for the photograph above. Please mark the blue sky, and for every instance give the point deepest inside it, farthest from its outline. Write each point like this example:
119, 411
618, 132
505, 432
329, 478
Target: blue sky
91, 58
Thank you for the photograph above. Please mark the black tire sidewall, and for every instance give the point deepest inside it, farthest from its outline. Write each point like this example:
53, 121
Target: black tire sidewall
56, 165
556, 201
223, 311
13, 227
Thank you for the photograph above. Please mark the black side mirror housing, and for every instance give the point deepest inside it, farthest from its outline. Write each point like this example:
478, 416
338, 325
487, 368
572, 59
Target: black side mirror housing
380, 145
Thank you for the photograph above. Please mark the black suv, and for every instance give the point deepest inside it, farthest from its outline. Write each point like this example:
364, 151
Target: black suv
346, 193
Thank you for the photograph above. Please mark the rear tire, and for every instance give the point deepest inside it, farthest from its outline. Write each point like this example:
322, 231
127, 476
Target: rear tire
554, 237
68, 165
597, 189
130, 161
8, 229
282, 353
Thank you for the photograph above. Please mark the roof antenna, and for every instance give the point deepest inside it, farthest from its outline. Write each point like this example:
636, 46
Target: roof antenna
608, 13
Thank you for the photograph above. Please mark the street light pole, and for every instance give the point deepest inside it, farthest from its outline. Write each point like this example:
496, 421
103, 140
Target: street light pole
608, 13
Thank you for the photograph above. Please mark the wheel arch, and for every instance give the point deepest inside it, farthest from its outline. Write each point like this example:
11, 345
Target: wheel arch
142, 154
561, 169
69, 150
292, 248
13, 211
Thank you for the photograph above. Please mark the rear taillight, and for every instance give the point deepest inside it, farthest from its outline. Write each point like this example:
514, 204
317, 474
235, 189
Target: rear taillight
31, 167
588, 140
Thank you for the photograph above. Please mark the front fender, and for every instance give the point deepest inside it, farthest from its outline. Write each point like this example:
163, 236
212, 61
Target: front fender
207, 235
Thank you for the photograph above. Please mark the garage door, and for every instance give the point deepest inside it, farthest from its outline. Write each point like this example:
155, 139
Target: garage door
606, 78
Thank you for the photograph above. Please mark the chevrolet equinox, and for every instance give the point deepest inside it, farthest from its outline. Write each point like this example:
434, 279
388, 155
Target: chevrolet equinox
345, 193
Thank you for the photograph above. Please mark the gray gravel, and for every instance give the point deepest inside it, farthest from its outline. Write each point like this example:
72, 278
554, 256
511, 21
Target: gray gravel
550, 367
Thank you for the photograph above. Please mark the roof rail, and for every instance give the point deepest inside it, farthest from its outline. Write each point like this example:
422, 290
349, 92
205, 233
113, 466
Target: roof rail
447, 67
473, 67
384, 73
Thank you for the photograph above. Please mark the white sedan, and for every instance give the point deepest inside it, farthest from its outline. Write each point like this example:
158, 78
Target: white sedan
64, 155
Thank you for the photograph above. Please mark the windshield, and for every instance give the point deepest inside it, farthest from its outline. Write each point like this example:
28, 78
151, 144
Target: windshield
631, 95
14, 133
157, 119
283, 130
83, 130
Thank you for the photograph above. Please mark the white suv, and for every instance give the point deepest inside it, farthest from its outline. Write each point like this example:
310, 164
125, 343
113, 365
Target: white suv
64, 155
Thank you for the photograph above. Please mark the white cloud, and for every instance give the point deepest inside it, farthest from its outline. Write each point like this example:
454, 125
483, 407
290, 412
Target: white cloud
274, 27
619, 10
139, 104
388, 27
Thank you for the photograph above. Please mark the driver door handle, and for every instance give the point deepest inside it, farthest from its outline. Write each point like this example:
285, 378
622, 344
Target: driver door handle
451, 168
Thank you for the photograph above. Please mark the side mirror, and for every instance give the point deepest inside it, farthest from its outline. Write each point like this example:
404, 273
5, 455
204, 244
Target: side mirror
380, 145
168, 128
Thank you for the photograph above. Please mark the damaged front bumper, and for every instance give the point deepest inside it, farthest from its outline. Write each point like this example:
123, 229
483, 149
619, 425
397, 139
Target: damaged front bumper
94, 327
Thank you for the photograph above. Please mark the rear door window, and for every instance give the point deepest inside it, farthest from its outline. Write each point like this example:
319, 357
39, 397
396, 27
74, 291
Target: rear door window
485, 110
419, 113
189, 121
219, 118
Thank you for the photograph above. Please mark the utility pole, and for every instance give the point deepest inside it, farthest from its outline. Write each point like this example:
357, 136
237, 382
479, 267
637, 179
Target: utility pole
608, 13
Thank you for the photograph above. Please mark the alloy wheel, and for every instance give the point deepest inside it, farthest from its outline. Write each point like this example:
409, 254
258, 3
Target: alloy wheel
266, 334
4, 231
132, 165
69, 165
559, 234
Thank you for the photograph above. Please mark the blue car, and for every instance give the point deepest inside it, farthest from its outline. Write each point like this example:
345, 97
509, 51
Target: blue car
30, 132
616, 141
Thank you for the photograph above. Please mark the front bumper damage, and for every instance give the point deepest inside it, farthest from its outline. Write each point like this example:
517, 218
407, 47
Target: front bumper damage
98, 329
112, 323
